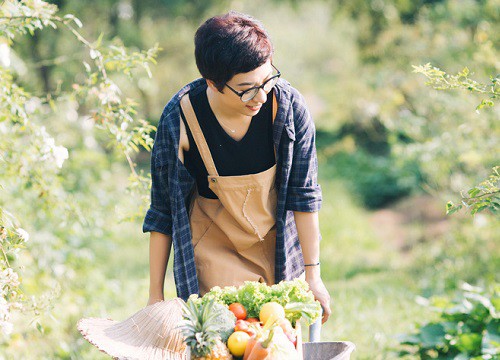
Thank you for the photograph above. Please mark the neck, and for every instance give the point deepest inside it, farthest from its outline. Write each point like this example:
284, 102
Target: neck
221, 111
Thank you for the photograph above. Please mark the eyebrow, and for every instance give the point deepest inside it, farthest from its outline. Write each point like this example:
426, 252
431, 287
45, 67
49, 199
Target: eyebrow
250, 83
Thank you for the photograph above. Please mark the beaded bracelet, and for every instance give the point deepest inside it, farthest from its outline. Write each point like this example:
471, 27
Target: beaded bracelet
312, 264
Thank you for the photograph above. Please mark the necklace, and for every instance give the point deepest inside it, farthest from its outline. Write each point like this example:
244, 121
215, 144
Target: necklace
227, 127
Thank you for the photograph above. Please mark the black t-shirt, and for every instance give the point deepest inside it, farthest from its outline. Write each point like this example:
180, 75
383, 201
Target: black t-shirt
252, 154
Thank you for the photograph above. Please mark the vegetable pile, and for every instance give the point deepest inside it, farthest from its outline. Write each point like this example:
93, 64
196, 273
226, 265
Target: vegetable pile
252, 322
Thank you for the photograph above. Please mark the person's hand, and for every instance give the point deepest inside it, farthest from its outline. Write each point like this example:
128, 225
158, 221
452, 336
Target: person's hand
321, 294
155, 298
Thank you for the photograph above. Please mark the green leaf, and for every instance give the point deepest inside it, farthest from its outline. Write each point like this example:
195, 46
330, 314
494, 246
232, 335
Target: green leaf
491, 339
409, 339
99, 40
496, 303
462, 357
40, 328
469, 343
464, 307
452, 208
485, 103
432, 335
473, 192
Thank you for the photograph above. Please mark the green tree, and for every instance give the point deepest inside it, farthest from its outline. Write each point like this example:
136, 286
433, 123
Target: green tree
57, 150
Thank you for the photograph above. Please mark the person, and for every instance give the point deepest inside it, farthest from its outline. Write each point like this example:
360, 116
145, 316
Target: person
234, 171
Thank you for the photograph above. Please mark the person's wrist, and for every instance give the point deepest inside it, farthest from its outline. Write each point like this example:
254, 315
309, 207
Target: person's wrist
156, 293
313, 272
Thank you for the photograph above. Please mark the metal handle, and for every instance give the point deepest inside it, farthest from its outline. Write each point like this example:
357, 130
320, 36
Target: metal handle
315, 331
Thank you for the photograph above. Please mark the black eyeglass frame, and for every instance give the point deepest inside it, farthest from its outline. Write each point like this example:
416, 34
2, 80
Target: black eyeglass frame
241, 93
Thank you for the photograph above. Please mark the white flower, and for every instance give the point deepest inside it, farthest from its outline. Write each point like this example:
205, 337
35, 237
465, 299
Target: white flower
6, 327
23, 234
10, 277
109, 93
60, 154
32, 104
4, 55
50, 151
4, 309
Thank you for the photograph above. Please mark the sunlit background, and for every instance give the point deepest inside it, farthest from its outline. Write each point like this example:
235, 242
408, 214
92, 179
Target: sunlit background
392, 152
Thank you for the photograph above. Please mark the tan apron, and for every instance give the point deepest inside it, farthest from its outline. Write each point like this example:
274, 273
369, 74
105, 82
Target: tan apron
234, 236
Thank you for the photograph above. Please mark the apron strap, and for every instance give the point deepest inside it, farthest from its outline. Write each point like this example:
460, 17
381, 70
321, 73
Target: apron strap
198, 137
275, 106
275, 111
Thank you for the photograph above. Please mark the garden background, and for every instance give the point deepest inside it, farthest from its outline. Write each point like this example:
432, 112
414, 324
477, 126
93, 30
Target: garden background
83, 84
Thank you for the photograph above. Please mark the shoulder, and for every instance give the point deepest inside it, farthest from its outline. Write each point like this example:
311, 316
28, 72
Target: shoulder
293, 101
168, 130
171, 111
290, 97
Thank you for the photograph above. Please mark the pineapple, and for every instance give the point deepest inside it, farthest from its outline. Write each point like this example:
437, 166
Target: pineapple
201, 332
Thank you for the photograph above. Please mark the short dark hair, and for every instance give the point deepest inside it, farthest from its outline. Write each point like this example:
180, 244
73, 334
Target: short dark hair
230, 44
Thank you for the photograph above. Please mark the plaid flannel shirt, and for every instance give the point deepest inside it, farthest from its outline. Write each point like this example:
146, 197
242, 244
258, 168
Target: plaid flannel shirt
296, 181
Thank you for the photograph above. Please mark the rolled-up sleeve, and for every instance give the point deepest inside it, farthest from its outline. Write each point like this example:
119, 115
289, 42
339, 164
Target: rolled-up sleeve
304, 192
158, 217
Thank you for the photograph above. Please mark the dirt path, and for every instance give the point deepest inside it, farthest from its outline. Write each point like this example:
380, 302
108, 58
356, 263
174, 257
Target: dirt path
411, 221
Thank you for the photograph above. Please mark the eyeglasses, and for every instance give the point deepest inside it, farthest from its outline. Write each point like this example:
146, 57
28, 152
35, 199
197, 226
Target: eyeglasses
267, 86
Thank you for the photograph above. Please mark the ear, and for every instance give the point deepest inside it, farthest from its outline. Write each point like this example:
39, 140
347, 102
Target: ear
211, 85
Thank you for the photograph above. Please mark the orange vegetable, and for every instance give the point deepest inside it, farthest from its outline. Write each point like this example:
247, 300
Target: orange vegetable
250, 345
261, 349
238, 310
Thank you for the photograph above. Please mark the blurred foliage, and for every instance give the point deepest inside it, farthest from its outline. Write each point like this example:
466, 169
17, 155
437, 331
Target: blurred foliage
74, 154
467, 328
375, 179
60, 199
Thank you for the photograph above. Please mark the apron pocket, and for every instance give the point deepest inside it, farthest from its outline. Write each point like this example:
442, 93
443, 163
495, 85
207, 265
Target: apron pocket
260, 211
199, 231
200, 222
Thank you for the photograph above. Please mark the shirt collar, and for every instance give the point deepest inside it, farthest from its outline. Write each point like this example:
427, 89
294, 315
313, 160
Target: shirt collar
283, 97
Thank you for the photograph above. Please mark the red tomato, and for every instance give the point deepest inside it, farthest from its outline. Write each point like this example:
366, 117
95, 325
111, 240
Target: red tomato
253, 320
238, 310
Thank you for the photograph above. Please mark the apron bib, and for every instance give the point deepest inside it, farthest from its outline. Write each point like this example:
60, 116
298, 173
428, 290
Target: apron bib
234, 236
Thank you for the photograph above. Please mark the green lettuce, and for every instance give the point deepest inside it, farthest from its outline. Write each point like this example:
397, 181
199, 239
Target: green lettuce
293, 295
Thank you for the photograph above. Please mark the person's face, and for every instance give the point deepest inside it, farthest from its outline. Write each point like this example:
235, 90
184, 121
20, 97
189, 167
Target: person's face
244, 81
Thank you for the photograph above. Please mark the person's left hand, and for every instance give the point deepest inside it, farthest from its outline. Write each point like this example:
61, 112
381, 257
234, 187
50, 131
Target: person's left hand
321, 294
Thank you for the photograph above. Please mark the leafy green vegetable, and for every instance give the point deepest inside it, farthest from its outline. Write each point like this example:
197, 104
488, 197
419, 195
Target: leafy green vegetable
225, 321
293, 295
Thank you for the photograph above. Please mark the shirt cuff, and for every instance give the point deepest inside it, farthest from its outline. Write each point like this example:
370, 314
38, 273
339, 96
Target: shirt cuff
157, 221
305, 199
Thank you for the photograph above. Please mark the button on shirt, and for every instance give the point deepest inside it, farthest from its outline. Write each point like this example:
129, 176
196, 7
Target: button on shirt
296, 181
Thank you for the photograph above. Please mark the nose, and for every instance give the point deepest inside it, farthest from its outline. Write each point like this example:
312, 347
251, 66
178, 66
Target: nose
261, 97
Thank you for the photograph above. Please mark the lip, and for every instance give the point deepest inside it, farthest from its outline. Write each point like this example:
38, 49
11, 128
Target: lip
254, 108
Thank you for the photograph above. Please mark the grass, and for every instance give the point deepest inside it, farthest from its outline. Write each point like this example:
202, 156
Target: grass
373, 300
373, 285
